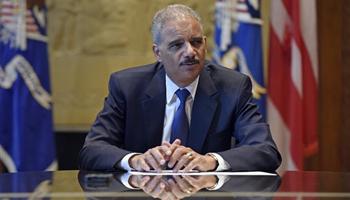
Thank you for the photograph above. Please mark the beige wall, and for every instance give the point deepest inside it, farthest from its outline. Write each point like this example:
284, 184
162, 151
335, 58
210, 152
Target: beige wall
265, 14
89, 39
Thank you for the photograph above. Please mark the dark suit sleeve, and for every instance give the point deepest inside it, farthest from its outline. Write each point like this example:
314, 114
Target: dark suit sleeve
254, 147
103, 146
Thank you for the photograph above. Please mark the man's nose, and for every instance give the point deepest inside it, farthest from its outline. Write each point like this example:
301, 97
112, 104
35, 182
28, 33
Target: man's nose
189, 50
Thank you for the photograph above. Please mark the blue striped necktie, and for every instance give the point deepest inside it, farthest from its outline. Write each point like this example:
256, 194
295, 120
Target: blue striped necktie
180, 127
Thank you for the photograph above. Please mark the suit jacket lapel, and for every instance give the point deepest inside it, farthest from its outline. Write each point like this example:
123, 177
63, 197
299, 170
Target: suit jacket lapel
203, 111
153, 106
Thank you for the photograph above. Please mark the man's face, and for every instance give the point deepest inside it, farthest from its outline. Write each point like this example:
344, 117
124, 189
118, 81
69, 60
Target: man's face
182, 50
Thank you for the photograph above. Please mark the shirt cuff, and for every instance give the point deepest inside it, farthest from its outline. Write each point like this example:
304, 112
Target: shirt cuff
222, 164
124, 163
221, 181
125, 181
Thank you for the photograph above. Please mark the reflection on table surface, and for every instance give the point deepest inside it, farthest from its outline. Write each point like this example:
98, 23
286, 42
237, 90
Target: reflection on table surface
179, 186
97, 185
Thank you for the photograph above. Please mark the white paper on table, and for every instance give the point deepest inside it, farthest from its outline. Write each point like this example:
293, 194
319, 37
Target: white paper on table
196, 173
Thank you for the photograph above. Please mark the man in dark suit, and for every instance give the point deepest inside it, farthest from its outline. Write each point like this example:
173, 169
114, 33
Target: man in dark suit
180, 112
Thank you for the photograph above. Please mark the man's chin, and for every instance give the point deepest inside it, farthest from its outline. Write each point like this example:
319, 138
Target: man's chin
191, 66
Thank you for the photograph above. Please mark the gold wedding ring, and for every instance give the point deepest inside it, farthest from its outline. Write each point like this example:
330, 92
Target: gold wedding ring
188, 191
189, 155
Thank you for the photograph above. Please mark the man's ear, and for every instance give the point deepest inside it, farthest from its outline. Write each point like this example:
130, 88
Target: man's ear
156, 52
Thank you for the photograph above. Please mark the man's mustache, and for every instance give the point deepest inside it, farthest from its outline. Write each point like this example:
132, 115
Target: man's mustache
190, 62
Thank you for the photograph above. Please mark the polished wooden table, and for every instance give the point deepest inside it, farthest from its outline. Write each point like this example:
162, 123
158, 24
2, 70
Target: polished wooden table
94, 185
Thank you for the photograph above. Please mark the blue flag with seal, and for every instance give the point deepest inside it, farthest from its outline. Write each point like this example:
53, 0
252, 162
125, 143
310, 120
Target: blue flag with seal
238, 42
26, 125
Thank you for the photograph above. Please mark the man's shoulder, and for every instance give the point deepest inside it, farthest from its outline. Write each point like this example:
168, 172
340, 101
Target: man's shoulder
138, 71
135, 79
228, 82
221, 73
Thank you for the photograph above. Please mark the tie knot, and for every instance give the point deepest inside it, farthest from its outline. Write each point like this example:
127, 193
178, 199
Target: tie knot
182, 94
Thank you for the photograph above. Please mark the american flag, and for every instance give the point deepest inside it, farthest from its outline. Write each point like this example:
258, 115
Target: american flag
293, 80
19, 23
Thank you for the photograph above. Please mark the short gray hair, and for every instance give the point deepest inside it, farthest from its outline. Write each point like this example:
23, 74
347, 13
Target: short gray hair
171, 12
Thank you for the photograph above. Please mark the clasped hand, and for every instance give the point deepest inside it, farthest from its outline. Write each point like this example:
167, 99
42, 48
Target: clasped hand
172, 156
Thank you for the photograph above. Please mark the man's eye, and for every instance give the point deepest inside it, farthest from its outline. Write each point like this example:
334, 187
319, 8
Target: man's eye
197, 43
175, 46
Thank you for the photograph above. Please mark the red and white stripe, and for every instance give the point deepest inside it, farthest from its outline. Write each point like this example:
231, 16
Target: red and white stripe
293, 80
9, 13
